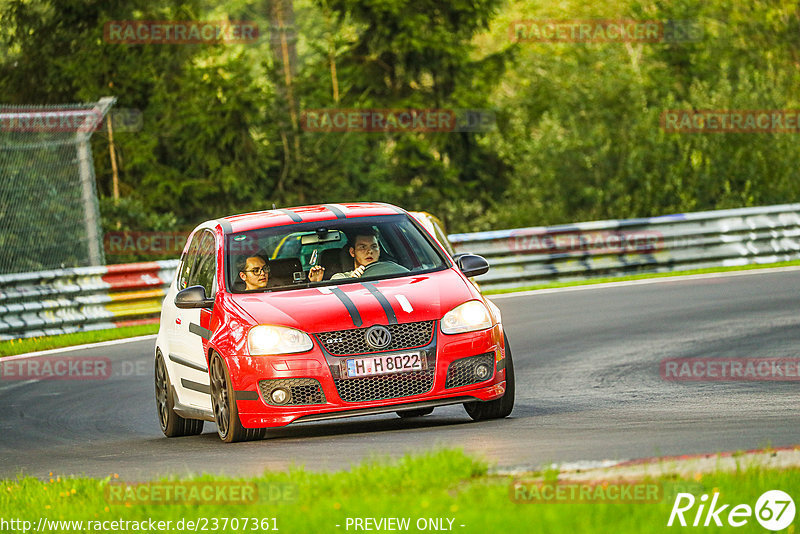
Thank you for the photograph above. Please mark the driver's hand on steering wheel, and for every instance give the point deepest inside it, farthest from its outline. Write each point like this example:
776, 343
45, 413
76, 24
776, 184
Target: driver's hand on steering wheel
358, 272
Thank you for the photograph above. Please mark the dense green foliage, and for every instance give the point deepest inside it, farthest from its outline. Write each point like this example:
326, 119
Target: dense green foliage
578, 134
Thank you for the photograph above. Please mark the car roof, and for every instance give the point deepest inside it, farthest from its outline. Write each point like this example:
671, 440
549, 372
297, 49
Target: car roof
304, 214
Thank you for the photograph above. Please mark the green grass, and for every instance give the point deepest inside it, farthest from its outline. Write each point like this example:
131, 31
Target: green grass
440, 484
21, 346
643, 276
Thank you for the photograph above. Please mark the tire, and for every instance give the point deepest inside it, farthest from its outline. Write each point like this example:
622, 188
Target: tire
419, 412
226, 415
172, 424
499, 408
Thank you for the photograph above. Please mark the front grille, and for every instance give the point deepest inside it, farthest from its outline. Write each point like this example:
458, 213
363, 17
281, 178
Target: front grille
301, 391
385, 386
462, 372
404, 336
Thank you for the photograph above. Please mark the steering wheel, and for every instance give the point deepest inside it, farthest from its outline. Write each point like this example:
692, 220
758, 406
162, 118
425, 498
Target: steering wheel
381, 268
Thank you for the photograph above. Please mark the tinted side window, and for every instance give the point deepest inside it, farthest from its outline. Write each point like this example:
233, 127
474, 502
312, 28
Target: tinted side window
188, 261
203, 273
423, 255
442, 237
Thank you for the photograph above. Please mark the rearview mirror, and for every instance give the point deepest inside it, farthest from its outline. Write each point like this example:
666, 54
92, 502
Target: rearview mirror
193, 297
322, 236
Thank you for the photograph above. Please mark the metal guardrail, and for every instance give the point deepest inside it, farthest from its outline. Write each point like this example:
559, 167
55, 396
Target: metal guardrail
529, 256
90, 298
63, 301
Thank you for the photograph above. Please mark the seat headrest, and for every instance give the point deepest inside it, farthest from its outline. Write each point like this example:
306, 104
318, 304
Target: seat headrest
285, 271
333, 261
238, 284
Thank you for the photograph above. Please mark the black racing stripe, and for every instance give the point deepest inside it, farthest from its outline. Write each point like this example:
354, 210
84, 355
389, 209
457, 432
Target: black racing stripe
196, 386
177, 359
226, 226
336, 211
246, 395
205, 333
292, 215
351, 308
387, 307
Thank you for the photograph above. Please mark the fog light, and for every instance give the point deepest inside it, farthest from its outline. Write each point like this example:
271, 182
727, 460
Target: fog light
280, 396
482, 371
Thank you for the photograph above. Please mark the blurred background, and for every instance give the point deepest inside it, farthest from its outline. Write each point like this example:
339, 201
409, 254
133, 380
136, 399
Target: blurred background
576, 138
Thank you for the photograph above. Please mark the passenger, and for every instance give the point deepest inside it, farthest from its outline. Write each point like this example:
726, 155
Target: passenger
254, 271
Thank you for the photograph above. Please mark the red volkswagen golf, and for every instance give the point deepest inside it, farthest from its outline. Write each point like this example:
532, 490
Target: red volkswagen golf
322, 312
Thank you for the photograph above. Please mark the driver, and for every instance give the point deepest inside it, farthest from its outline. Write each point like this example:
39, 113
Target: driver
364, 250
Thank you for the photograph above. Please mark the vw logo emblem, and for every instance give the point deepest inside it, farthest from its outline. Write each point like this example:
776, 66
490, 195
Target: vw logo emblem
378, 337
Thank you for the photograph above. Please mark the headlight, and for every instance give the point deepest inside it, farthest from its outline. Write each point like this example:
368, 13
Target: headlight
266, 339
466, 317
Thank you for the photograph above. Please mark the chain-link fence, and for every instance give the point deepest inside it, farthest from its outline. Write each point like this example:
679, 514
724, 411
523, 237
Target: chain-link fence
49, 217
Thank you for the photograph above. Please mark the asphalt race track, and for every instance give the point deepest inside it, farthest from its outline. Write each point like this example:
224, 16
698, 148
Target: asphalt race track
588, 388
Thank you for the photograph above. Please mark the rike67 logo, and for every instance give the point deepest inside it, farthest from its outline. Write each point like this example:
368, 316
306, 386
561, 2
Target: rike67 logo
774, 510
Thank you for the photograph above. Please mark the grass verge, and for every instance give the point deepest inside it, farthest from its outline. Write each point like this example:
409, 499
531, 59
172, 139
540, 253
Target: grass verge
445, 488
643, 276
33, 344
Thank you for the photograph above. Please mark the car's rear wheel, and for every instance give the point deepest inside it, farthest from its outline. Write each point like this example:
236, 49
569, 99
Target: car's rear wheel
172, 424
226, 415
419, 412
499, 408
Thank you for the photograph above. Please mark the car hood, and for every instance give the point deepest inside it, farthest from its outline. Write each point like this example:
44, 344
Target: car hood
340, 307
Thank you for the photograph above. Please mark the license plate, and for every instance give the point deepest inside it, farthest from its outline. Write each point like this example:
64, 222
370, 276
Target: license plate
398, 362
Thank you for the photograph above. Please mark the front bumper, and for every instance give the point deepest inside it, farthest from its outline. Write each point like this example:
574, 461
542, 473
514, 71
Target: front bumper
335, 402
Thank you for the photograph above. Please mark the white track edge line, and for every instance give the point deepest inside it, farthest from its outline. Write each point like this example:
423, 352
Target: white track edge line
78, 347
645, 281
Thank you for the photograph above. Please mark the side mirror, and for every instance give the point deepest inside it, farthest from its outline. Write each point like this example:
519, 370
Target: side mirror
193, 297
471, 265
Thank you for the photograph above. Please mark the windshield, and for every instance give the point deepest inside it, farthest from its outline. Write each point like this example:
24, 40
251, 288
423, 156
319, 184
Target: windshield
333, 252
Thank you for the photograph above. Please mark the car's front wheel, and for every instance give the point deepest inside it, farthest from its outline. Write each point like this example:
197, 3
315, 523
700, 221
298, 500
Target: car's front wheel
172, 424
226, 415
499, 408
